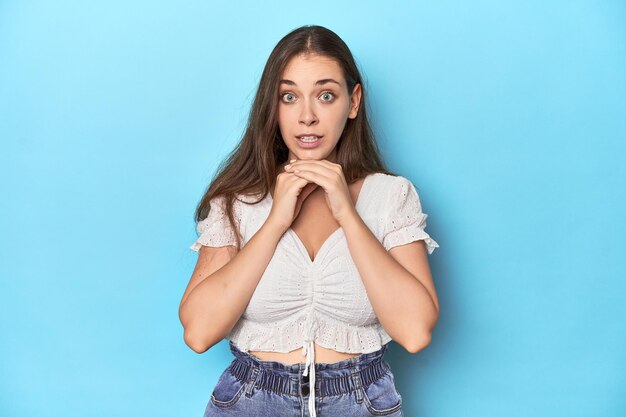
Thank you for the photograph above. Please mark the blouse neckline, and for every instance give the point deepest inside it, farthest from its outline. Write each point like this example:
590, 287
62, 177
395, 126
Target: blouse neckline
335, 234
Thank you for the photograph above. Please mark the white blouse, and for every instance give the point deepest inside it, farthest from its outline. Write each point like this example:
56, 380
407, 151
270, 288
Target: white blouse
299, 301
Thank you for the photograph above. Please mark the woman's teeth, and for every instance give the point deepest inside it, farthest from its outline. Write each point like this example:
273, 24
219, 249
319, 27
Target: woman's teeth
308, 138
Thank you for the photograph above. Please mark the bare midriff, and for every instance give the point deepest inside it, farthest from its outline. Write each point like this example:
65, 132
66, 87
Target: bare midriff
322, 355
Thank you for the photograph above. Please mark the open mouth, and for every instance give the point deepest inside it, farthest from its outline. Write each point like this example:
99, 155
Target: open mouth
309, 142
309, 139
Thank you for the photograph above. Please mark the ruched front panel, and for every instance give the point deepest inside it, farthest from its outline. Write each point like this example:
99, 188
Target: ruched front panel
330, 285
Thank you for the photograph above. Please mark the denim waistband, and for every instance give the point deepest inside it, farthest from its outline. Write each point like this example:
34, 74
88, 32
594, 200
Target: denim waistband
331, 378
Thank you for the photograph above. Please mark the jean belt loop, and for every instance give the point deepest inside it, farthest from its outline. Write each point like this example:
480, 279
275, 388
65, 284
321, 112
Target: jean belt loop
254, 373
356, 378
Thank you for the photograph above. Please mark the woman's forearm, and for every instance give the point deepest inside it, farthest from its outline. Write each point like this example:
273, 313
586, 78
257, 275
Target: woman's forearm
215, 305
401, 302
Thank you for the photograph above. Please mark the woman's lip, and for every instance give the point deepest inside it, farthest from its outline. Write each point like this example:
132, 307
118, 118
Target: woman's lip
309, 145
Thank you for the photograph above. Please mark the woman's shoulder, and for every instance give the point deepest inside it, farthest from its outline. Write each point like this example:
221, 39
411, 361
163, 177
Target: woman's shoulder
239, 197
377, 190
388, 190
247, 199
388, 181
240, 204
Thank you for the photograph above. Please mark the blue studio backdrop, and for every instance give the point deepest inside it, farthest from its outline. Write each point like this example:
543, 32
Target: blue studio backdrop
509, 117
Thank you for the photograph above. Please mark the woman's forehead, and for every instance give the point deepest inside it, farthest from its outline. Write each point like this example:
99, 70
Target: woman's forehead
312, 70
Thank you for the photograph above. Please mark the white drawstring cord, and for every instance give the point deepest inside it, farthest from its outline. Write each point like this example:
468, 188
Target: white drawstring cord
308, 349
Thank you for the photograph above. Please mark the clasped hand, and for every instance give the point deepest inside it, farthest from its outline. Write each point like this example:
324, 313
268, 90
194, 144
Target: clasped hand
329, 176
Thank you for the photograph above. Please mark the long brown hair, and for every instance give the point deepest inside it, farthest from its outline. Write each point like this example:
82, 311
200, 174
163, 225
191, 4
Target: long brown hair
252, 167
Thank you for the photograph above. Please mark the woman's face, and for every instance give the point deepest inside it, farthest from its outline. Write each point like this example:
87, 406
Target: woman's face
313, 99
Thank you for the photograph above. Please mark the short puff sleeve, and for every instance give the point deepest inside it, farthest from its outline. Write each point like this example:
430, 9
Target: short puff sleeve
215, 230
406, 221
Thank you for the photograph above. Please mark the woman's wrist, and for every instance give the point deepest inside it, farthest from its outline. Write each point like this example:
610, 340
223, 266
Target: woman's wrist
274, 227
351, 221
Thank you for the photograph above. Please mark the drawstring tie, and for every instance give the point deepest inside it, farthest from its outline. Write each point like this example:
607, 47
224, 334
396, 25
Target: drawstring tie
308, 349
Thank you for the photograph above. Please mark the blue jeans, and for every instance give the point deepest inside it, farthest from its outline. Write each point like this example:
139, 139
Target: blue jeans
362, 386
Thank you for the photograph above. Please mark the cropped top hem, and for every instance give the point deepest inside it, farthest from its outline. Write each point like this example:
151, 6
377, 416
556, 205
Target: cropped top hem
286, 336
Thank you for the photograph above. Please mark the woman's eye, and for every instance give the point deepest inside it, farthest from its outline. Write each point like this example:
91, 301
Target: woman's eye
326, 94
283, 95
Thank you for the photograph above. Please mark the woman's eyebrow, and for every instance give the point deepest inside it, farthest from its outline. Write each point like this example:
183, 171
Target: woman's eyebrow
318, 82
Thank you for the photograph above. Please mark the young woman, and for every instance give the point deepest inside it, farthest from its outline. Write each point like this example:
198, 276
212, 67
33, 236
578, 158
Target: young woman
312, 256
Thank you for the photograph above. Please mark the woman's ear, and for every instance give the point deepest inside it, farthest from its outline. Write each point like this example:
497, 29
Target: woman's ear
355, 100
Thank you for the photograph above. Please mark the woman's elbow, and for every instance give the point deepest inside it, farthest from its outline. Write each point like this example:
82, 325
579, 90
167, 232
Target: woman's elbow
194, 343
198, 343
418, 343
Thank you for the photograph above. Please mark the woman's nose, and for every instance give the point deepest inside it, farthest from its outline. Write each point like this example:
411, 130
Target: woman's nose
307, 116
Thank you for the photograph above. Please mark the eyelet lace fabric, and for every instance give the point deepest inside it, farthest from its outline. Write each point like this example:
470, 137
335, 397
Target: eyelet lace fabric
215, 230
407, 221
